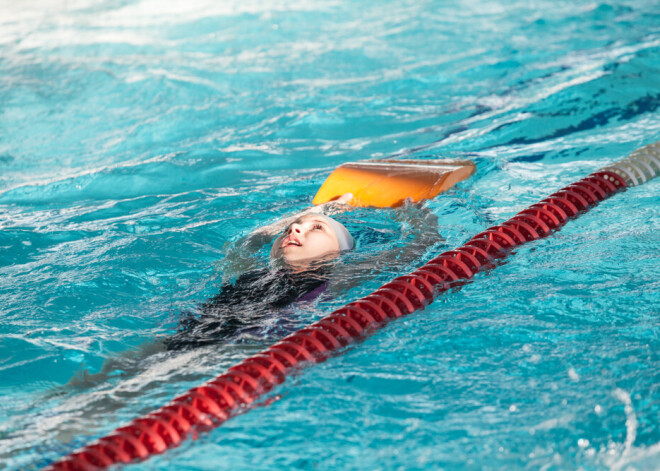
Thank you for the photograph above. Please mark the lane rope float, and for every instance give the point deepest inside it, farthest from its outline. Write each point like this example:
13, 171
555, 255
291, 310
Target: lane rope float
209, 405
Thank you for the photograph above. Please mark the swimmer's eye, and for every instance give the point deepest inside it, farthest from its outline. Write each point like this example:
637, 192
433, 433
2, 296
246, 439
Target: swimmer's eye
318, 226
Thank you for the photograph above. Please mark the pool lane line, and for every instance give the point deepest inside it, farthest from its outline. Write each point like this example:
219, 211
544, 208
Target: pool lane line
209, 405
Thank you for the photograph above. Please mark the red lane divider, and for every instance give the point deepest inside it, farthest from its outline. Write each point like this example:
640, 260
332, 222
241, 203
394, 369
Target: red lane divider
229, 394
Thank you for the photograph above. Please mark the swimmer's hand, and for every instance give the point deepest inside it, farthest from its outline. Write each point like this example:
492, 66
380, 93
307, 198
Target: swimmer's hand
343, 199
336, 206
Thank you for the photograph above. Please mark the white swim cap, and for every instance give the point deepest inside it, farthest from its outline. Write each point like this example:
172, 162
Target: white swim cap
345, 239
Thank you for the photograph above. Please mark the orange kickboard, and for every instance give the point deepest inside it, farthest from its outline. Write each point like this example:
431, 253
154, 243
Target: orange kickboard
387, 183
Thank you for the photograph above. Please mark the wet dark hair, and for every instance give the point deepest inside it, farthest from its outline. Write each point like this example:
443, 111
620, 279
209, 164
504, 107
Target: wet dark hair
252, 305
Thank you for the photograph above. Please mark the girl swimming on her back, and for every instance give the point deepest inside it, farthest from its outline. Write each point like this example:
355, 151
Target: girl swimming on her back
302, 260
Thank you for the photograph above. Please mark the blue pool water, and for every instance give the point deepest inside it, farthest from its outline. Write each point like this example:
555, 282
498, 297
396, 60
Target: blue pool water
140, 139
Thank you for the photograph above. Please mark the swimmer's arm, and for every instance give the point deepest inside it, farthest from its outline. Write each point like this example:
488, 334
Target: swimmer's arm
420, 231
420, 234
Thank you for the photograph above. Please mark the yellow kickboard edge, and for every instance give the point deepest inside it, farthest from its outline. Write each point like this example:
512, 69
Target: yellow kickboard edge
387, 183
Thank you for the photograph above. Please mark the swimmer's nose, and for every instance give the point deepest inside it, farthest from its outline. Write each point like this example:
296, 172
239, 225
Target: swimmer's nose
295, 228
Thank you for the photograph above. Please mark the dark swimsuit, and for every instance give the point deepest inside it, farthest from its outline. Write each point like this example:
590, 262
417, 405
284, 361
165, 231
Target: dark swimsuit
253, 305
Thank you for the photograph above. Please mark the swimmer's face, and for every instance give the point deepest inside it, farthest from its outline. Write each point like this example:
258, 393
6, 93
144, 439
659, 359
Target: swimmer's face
308, 238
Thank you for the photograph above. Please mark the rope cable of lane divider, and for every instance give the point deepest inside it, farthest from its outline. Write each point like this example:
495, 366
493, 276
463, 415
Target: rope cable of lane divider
209, 405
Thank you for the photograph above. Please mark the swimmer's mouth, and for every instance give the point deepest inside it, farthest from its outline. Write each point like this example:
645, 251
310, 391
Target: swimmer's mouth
290, 240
